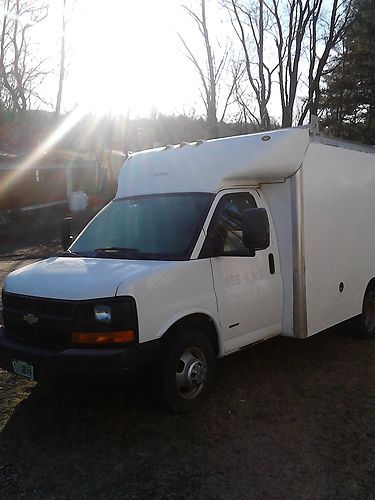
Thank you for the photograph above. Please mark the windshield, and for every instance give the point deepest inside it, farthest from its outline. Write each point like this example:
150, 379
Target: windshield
157, 227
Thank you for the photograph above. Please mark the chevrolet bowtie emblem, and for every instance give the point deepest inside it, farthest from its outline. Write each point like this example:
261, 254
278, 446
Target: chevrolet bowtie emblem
31, 319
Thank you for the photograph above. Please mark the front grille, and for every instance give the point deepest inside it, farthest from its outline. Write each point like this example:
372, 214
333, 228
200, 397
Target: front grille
50, 307
50, 322
38, 321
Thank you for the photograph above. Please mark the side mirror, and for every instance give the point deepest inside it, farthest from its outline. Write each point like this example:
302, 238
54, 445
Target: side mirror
255, 229
66, 233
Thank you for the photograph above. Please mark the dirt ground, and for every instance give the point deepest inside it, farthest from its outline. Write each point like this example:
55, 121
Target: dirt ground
288, 419
34, 235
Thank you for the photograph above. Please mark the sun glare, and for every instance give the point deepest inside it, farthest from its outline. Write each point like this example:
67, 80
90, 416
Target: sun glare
37, 154
123, 58
127, 58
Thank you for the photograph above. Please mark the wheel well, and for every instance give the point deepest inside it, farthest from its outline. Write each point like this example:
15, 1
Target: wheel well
200, 322
371, 284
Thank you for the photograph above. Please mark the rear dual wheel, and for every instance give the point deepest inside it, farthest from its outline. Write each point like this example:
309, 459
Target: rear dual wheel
186, 370
368, 313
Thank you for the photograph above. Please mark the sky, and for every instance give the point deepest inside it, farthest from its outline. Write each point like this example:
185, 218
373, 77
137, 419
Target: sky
125, 55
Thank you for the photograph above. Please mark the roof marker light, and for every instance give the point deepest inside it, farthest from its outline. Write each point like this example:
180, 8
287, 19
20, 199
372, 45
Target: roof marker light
183, 144
199, 142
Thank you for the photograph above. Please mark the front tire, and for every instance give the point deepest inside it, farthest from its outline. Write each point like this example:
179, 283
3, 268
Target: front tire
186, 370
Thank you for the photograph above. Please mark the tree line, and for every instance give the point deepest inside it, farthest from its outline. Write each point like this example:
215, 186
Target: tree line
304, 57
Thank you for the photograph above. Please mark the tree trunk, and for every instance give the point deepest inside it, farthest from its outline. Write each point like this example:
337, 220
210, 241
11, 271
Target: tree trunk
62, 64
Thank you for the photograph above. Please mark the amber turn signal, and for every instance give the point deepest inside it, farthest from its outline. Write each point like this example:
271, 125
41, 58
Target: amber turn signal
102, 337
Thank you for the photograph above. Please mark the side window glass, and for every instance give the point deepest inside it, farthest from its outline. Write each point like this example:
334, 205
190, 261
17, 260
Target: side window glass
226, 227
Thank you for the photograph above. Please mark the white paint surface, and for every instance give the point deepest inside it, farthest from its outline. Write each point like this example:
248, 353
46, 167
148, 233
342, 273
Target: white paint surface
339, 222
278, 197
213, 165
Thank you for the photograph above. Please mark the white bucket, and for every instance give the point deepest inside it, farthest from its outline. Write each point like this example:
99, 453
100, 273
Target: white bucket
78, 200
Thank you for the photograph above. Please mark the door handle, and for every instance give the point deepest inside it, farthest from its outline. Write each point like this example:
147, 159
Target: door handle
271, 263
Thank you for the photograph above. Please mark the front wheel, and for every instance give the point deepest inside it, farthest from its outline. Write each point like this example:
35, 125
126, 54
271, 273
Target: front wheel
186, 370
368, 314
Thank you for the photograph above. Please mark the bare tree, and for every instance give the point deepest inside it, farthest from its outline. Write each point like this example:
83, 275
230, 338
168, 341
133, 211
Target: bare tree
7, 92
339, 22
62, 61
211, 74
289, 35
21, 71
304, 35
250, 23
67, 8
300, 31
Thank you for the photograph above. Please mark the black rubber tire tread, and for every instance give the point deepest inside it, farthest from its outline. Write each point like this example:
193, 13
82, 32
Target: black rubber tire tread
364, 333
178, 341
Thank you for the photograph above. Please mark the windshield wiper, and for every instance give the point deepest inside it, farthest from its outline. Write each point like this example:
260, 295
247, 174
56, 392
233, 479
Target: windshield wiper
132, 253
69, 253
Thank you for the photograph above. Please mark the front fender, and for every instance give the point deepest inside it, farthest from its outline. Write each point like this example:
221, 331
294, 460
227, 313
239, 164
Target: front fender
170, 292
190, 312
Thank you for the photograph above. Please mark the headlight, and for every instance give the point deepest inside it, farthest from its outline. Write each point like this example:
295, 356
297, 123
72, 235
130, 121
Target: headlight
111, 320
103, 313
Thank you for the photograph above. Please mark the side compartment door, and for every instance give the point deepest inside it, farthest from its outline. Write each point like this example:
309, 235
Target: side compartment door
248, 288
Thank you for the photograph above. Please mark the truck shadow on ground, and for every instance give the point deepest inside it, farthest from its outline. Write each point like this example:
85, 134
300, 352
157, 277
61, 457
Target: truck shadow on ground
281, 411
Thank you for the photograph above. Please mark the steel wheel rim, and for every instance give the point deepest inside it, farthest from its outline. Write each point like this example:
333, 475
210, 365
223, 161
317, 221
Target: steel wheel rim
191, 373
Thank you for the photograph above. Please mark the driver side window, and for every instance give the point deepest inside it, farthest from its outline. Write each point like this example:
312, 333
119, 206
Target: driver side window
225, 230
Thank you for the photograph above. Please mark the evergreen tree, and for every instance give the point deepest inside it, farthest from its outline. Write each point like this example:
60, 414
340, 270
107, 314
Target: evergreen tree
349, 98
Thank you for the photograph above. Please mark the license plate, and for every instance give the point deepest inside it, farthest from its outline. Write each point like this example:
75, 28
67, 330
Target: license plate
24, 369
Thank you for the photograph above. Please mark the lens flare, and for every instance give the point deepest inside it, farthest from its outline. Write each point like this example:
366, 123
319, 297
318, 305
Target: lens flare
37, 154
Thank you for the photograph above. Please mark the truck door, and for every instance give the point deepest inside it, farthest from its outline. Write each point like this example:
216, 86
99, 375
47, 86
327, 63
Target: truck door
248, 288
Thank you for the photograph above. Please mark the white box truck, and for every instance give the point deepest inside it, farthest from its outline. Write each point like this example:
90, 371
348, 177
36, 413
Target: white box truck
206, 248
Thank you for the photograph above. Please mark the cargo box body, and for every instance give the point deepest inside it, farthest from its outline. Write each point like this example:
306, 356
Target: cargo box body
324, 217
